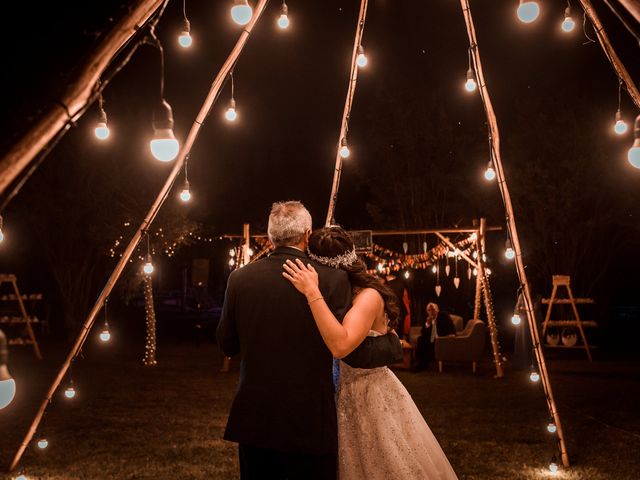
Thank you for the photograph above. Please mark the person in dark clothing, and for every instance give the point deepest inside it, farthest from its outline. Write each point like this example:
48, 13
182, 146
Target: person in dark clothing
283, 415
437, 324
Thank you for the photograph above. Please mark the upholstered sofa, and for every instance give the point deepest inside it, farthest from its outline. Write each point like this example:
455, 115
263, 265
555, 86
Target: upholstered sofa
465, 346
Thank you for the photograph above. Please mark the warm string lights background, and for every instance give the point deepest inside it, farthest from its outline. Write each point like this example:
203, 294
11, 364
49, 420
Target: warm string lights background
240, 152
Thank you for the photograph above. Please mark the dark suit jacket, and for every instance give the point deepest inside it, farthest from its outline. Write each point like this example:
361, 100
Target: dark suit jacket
285, 397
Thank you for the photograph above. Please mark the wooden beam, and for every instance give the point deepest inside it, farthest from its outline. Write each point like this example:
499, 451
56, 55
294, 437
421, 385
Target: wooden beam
208, 103
611, 54
77, 96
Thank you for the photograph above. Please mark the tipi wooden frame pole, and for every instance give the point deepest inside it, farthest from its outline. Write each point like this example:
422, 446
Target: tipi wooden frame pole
344, 126
506, 197
77, 96
611, 54
216, 86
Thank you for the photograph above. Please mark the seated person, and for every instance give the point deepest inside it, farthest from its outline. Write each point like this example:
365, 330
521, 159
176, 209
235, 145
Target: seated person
425, 349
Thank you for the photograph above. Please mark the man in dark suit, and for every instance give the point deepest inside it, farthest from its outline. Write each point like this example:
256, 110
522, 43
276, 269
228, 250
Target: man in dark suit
283, 415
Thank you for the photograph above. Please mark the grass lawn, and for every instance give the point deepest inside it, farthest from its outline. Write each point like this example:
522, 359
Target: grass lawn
133, 422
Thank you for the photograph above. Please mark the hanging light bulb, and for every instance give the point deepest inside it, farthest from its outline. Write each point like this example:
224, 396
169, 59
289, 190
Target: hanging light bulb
344, 149
470, 85
361, 59
232, 253
105, 335
405, 247
424, 247
528, 11
185, 194
634, 151
164, 145
102, 130
250, 252
148, 266
515, 319
42, 443
475, 272
70, 392
231, 113
232, 262
553, 466
380, 266
407, 274
283, 19
241, 12
509, 252
490, 173
469, 273
620, 127
7, 383
534, 376
185, 40
551, 427
447, 269
568, 24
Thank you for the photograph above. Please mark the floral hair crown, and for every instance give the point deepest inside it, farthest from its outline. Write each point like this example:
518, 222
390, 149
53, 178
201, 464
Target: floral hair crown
344, 260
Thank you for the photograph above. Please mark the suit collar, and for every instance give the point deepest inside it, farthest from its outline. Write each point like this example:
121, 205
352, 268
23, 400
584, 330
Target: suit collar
288, 251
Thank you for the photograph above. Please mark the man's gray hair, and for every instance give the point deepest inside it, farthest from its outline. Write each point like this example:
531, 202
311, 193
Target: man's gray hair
288, 222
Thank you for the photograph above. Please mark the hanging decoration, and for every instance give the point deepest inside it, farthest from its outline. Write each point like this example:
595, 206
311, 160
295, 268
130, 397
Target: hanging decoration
149, 358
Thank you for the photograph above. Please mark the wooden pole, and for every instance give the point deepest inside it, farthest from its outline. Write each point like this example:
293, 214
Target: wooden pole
155, 208
246, 245
453, 247
511, 223
344, 126
77, 96
611, 54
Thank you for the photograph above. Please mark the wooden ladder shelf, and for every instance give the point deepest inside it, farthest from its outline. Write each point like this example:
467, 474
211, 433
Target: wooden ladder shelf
22, 320
565, 281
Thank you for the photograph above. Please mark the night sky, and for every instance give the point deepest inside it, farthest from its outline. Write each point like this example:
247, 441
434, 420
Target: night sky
549, 89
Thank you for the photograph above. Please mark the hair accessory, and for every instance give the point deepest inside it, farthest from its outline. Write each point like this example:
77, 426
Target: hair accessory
344, 260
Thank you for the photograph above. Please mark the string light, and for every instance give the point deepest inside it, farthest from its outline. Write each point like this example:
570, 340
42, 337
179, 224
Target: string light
516, 320
102, 130
553, 466
185, 194
634, 152
475, 272
456, 282
70, 391
149, 359
490, 173
231, 115
361, 59
105, 334
42, 443
528, 11
551, 427
407, 274
232, 262
148, 266
344, 149
470, 85
7, 383
534, 376
185, 40
283, 19
620, 127
509, 252
164, 145
232, 253
568, 24
241, 12
434, 269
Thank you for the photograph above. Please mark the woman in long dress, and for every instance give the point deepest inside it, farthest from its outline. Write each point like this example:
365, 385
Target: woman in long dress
381, 433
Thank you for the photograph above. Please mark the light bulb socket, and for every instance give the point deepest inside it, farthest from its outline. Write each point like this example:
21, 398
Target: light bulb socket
567, 12
103, 117
507, 244
232, 103
360, 50
636, 134
284, 10
4, 354
163, 117
185, 185
343, 142
471, 75
186, 26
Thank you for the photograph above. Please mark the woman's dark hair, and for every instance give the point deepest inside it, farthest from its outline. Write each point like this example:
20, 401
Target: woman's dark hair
333, 241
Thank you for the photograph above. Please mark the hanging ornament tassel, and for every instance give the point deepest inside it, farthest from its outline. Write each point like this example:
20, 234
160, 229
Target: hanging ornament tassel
456, 282
447, 269
438, 290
